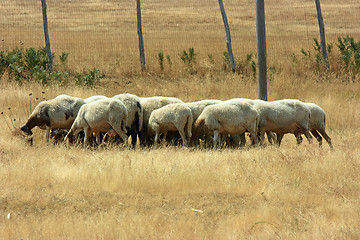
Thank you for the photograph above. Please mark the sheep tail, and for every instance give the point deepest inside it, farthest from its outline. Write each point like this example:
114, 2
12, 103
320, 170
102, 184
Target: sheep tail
188, 125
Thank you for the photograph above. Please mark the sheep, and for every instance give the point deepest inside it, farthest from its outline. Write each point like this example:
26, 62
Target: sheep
150, 104
317, 124
270, 136
196, 109
283, 116
100, 116
172, 117
59, 112
135, 114
227, 118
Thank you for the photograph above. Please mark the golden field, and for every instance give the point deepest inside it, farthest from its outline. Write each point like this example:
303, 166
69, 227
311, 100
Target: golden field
288, 192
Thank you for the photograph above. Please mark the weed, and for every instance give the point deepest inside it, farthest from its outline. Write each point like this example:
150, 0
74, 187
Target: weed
63, 58
189, 59
226, 61
88, 80
160, 58
32, 65
169, 60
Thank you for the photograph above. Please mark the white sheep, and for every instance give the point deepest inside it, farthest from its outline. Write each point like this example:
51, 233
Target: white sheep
172, 117
135, 114
59, 112
283, 116
271, 137
227, 118
100, 116
196, 109
317, 124
149, 104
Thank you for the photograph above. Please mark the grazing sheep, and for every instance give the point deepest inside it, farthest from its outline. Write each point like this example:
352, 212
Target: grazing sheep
196, 109
135, 114
270, 136
59, 112
317, 125
172, 117
149, 104
227, 118
283, 116
100, 116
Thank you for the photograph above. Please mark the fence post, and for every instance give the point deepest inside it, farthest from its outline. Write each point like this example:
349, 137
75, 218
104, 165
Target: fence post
46, 33
261, 48
228, 37
141, 41
322, 33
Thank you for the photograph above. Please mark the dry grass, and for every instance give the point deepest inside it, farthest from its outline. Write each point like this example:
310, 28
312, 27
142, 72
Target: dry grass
292, 192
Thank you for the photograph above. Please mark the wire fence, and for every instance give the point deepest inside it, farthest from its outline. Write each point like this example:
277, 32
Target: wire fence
100, 33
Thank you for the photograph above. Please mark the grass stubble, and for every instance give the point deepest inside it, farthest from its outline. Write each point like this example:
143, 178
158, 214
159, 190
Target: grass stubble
292, 192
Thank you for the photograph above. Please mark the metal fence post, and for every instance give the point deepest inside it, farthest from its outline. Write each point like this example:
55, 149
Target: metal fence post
141, 41
228, 37
261, 48
322, 33
46, 33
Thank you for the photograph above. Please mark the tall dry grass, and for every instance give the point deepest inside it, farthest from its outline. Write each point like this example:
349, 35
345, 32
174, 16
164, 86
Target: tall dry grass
292, 192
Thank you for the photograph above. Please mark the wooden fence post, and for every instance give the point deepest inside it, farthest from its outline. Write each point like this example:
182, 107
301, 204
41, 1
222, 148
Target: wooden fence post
141, 41
261, 49
46, 33
322, 33
228, 37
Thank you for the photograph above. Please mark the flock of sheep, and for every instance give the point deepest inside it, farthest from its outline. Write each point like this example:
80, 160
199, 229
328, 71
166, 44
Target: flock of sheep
154, 119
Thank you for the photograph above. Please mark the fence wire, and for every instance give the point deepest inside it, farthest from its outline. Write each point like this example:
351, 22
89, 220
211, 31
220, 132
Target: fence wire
101, 33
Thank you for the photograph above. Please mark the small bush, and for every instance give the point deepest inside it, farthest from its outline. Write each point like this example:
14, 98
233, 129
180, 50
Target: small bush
345, 64
160, 58
189, 59
350, 53
88, 80
168, 58
32, 65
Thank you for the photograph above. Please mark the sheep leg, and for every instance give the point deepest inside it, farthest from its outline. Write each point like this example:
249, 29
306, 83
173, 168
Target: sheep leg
327, 138
298, 137
97, 138
133, 138
164, 137
87, 136
317, 136
242, 140
183, 137
156, 139
47, 133
308, 136
254, 137
271, 137
261, 137
279, 138
123, 136
305, 130
216, 138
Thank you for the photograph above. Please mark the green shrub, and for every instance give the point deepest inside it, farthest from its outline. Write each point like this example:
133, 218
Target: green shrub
32, 65
88, 80
350, 53
189, 59
160, 58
